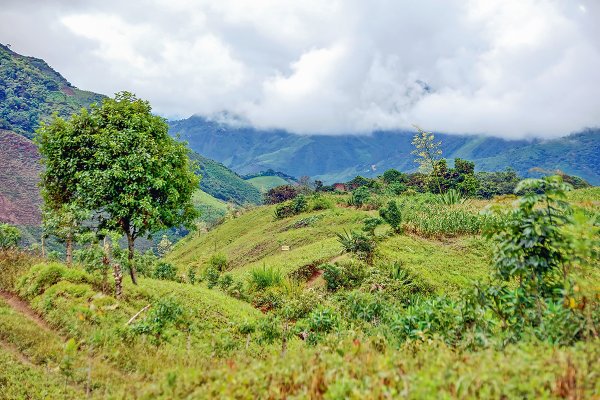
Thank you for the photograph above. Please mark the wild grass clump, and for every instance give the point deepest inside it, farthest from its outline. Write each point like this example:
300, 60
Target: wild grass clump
263, 277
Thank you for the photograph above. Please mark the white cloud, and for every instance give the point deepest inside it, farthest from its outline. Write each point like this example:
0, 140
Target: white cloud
512, 68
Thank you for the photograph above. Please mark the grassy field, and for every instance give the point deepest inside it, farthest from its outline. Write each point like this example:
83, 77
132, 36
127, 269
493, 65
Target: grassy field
67, 337
264, 183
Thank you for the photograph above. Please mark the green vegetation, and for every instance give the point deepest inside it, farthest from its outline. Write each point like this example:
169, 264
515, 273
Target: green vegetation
31, 91
9, 237
224, 184
265, 183
118, 162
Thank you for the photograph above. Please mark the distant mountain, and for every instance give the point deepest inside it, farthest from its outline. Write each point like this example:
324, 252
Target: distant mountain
31, 91
337, 158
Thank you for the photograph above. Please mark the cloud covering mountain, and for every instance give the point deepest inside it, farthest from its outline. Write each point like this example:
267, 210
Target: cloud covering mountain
511, 68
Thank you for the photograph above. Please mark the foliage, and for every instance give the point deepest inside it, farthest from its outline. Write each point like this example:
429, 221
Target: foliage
9, 237
164, 315
212, 276
291, 207
392, 215
370, 224
122, 164
165, 271
344, 275
451, 197
358, 243
218, 261
496, 183
428, 153
264, 277
280, 194
31, 91
394, 176
359, 196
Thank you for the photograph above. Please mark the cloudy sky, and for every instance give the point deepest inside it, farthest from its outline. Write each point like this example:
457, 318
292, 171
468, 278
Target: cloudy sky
512, 68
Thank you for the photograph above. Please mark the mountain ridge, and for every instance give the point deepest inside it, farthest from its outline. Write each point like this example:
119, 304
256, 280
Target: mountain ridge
247, 150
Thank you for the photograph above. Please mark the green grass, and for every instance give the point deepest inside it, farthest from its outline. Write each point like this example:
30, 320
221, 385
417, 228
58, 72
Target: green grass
264, 183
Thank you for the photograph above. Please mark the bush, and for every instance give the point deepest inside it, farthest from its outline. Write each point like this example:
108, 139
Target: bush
358, 243
225, 282
344, 274
218, 261
319, 202
359, 197
9, 237
280, 194
165, 271
212, 276
292, 207
264, 277
391, 214
163, 321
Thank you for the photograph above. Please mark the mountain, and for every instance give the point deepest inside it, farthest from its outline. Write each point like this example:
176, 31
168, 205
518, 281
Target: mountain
222, 183
31, 91
19, 176
337, 158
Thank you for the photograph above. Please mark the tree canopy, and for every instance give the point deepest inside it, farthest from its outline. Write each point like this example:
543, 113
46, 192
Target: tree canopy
119, 161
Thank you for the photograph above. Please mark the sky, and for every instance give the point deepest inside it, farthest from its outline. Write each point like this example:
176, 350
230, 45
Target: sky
508, 68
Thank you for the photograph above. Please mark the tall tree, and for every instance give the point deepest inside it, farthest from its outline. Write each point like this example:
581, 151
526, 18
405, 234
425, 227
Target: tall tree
428, 153
139, 179
64, 152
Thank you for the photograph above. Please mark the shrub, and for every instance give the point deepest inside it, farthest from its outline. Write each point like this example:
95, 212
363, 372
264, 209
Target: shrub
358, 243
359, 197
370, 224
451, 197
212, 276
165, 271
280, 194
391, 214
164, 315
9, 236
366, 307
218, 261
269, 329
284, 210
396, 188
225, 282
344, 274
319, 322
320, 202
264, 277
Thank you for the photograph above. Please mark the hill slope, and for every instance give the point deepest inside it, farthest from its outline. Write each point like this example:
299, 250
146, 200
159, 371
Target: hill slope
31, 91
338, 158
19, 176
224, 184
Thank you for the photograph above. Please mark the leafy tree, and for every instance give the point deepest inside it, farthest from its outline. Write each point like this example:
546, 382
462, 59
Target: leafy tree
119, 161
428, 153
9, 236
392, 215
139, 180
464, 167
393, 175
530, 244
65, 148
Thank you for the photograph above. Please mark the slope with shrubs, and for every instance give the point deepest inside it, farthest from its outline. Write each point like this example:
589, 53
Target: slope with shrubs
409, 321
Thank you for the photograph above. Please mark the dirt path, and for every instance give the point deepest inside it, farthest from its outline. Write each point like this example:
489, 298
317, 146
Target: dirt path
12, 349
319, 272
23, 308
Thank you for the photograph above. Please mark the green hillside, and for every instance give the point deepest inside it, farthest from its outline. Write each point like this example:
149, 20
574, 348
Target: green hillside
264, 183
224, 184
381, 336
341, 157
211, 209
31, 91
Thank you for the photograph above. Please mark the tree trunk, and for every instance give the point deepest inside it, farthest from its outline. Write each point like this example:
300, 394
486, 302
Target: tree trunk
130, 245
118, 274
69, 249
43, 246
105, 264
